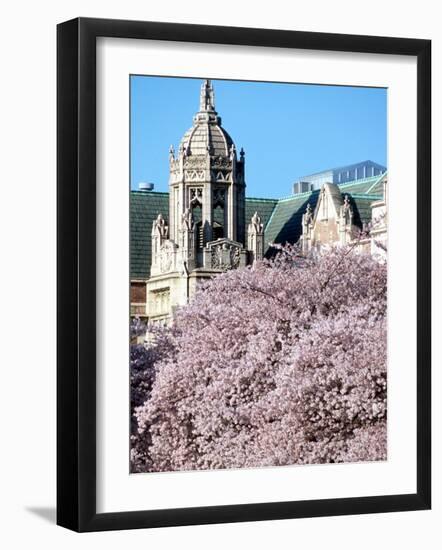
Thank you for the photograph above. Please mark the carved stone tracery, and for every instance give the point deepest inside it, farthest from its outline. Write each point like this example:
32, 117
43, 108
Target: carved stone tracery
166, 256
219, 197
218, 163
195, 162
194, 175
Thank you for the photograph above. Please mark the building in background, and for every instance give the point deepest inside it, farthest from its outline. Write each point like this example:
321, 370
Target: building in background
206, 225
343, 174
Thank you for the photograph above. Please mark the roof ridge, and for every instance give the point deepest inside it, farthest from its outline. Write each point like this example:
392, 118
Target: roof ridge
145, 192
365, 196
359, 181
299, 195
261, 199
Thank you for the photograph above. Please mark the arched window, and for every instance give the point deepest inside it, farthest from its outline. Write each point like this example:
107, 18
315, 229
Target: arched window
218, 231
218, 214
197, 217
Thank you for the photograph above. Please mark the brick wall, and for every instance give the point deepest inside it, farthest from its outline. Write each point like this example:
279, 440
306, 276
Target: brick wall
137, 293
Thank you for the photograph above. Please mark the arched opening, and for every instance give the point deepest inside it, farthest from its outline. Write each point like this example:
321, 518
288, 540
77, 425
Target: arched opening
218, 220
199, 232
218, 231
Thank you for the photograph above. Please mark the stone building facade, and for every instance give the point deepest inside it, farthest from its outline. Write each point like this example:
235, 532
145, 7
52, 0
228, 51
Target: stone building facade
206, 225
205, 231
333, 220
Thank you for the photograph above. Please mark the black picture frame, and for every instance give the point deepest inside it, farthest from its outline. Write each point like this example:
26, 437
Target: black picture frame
76, 273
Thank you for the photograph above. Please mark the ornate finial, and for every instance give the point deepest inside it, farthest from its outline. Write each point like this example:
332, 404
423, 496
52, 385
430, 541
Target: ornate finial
207, 97
232, 152
172, 152
242, 154
307, 217
346, 209
256, 224
159, 226
187, 219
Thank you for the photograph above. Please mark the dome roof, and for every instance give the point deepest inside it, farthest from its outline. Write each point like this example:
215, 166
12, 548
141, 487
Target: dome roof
207, 137
206, 134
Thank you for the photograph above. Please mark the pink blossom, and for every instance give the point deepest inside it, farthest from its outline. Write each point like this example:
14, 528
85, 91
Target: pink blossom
283, 363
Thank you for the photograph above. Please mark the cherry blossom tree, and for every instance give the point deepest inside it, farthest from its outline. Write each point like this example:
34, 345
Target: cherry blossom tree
142, 375
282, 363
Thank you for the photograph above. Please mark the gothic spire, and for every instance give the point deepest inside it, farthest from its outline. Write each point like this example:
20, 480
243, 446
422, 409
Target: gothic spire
207, 98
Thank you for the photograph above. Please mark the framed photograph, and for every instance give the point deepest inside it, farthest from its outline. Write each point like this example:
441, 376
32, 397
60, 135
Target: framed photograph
243, 274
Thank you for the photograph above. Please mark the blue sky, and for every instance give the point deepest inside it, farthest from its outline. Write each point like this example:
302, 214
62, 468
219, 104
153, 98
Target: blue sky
287, 130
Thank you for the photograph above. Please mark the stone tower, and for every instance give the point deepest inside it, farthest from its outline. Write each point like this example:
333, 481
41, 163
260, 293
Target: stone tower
207, 177
205, 232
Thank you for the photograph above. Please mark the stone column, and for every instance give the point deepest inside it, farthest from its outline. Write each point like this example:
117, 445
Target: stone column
159, 235
207, 212
187, 240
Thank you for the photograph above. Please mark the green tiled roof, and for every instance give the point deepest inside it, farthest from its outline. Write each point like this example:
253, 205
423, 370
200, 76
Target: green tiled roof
360, 186
361, 206
144, 208
264, 207
285, 225
377, 186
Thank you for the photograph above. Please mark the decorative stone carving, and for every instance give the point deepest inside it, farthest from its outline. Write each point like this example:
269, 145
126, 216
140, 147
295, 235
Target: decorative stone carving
195, 162
346, 212
187, 240
194, 175
307, 217
345, 221
221, 162
255, 237
187, 219
225, 256
171, 153
207, 97
221, 175
195, 196
219, 197
307, 228
159, 227
255, 224
166, 256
